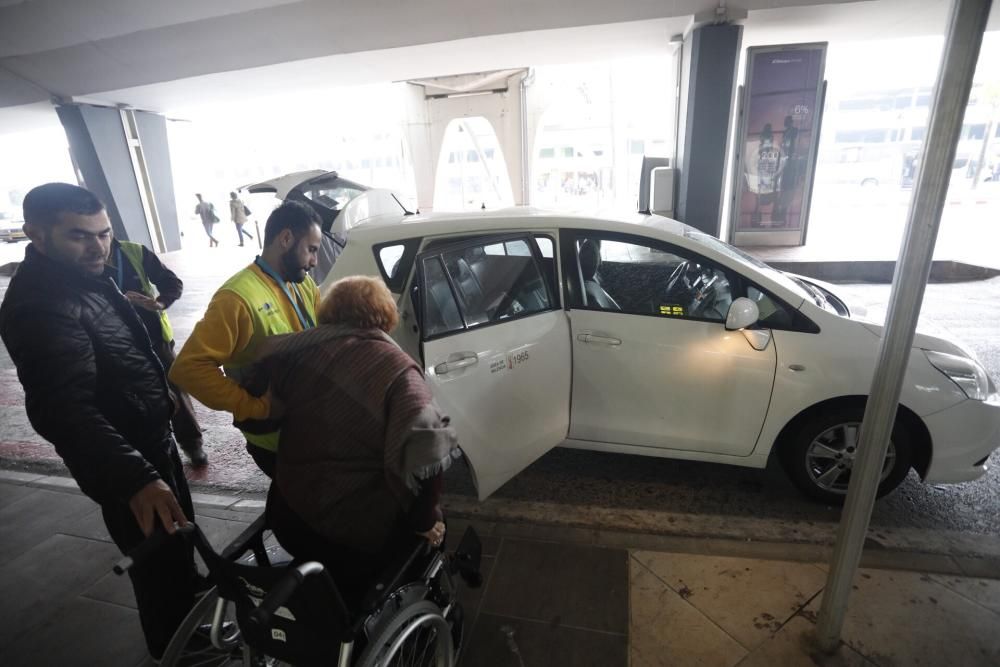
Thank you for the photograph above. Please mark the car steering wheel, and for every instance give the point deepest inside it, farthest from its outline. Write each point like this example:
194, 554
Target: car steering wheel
676, 274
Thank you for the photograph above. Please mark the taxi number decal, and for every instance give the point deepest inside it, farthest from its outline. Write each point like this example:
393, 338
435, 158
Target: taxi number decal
512, 360
672, 311
516, 359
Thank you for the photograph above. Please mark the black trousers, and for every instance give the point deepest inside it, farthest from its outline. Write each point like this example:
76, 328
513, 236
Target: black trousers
354, 571
185, 424
164, 584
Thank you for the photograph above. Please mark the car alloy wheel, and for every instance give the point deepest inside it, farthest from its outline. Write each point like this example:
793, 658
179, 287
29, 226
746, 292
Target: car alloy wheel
819, 453
830, 457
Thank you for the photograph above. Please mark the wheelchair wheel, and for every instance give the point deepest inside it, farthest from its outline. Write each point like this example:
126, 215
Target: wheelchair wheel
189, 646
417, 635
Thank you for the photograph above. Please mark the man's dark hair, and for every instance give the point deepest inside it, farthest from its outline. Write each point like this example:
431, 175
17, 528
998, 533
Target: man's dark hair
44, 203
290, 215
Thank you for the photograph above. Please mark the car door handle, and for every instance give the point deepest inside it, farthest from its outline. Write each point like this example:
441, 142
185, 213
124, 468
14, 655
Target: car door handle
467, 359
588, 337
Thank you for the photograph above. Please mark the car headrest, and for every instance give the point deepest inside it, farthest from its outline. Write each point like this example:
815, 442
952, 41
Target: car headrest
590, 259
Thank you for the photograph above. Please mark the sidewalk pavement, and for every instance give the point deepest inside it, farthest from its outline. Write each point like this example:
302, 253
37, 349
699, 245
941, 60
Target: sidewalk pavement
551, 595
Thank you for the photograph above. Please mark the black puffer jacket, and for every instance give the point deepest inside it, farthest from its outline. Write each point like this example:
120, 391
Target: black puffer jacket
93, 386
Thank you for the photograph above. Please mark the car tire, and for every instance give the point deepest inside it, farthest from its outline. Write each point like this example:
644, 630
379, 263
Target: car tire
809, 455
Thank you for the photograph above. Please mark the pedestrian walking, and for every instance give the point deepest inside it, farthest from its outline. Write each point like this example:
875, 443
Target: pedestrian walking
238, 213
206, 211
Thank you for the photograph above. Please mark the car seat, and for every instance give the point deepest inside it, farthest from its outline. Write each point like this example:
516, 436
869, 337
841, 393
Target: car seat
590, 262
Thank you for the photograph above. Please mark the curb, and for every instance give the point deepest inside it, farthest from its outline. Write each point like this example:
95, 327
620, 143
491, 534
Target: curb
510, 519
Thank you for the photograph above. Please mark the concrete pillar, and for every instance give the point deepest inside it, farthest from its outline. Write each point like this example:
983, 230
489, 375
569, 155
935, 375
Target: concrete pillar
429, 112
534, 106
708, 77
124, 159
421, 145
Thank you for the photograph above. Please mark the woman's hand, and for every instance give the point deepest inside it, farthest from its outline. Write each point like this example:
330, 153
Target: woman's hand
435, 536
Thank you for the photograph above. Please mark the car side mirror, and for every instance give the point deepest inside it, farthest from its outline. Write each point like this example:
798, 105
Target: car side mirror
743, 312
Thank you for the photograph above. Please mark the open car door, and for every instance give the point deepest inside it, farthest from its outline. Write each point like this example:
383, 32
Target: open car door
496, 351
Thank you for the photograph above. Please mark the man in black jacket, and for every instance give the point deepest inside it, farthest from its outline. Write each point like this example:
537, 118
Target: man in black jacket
95, 389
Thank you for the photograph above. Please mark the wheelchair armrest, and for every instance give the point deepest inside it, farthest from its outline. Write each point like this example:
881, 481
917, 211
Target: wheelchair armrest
286, 587
250, 538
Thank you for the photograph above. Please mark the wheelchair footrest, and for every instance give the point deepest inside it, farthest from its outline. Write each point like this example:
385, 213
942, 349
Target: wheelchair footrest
468, 558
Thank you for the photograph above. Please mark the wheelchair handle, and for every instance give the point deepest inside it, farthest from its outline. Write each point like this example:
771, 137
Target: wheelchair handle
282, 590
148, 546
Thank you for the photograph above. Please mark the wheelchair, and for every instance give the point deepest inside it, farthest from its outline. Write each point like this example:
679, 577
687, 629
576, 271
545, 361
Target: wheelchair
266, 610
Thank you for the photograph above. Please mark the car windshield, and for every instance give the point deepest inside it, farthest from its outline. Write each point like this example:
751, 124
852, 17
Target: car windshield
735, 253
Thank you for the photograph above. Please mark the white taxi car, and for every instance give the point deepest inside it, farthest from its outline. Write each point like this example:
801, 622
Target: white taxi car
642, 335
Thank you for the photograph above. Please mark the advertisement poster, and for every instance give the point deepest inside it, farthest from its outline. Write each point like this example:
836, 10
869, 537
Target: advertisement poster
779, 134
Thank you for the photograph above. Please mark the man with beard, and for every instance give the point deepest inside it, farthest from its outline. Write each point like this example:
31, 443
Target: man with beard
274, 295
95, 389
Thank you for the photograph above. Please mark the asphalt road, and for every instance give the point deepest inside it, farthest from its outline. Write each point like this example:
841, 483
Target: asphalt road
969, 312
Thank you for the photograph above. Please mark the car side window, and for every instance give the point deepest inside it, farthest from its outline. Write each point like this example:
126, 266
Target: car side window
773, 313
483, 284
646, 280
441, 314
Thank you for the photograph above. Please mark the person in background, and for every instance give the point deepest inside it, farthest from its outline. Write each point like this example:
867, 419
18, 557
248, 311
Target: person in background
363, 446
95, 389
238, 212
151, 288
273, 295
206, 211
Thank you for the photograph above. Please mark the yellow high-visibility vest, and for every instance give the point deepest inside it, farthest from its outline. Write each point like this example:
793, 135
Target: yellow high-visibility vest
133, 251
268, 320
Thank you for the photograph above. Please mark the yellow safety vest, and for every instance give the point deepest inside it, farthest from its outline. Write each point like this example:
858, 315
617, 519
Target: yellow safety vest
133, 251
268, 320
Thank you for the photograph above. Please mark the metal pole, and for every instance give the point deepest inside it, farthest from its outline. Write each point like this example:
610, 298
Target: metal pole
958, 65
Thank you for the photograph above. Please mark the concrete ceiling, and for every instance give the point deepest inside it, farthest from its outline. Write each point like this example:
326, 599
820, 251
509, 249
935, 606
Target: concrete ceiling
168, 56
71, 48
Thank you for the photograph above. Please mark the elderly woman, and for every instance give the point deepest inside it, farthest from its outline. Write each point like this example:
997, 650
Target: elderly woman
363, 446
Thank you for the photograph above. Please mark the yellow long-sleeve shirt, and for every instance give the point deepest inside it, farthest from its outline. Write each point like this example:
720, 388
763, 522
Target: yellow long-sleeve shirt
224, 331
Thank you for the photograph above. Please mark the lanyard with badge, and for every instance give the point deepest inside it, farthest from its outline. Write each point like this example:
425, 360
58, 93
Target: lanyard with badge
304, 318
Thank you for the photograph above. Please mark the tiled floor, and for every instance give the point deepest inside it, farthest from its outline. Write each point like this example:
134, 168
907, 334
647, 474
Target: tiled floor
550, 597
908, 618
703, 610
550, 604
